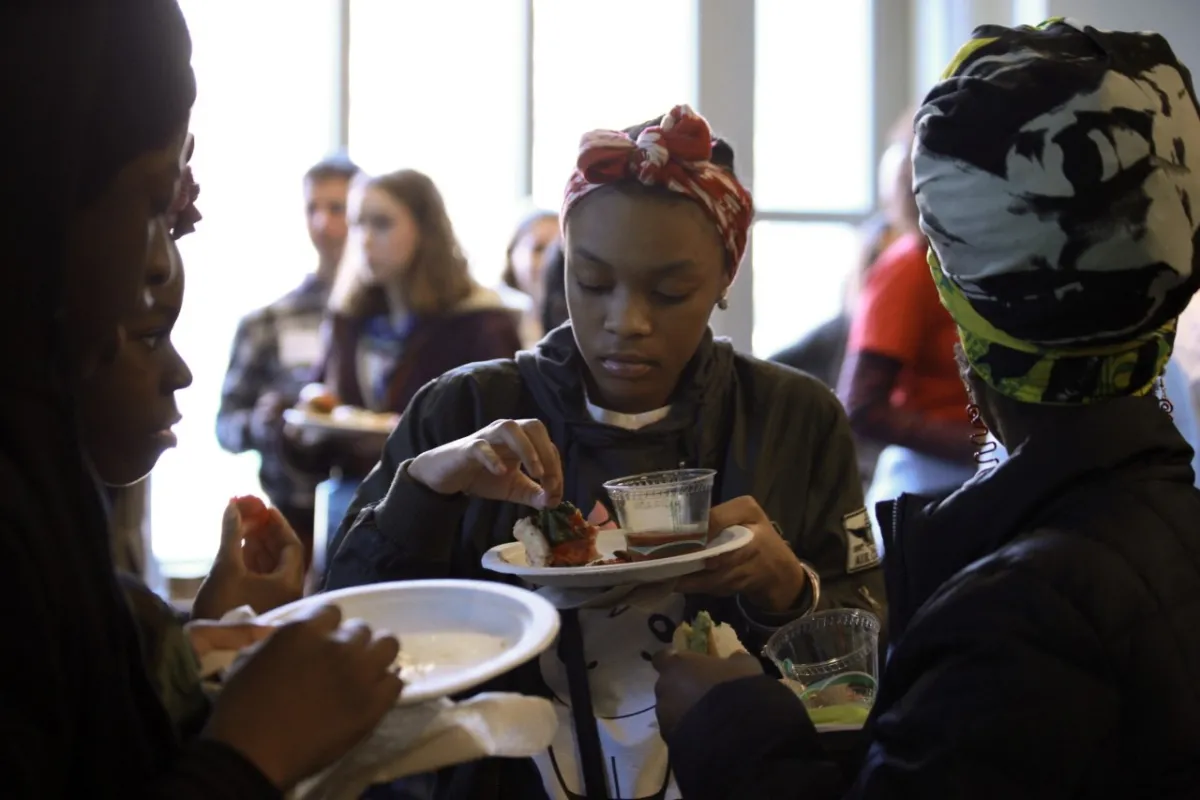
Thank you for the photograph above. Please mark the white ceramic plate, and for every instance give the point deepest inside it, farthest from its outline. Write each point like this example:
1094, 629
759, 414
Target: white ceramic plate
344, 422
509, 559
454, 635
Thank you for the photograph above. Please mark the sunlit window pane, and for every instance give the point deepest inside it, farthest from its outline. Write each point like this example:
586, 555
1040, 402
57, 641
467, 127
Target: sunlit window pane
812, 105
800, 272
604, 64
1030, 12
262, 117
438, 87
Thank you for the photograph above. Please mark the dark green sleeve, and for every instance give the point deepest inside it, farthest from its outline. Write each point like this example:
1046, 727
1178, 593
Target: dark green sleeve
395, 528
833, 531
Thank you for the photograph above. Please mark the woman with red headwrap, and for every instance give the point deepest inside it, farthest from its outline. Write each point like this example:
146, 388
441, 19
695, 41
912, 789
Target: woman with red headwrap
655, 224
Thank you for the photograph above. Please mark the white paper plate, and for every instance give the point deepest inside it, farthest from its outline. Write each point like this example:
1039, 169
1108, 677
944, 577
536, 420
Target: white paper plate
355, 423
454, 635
509, 559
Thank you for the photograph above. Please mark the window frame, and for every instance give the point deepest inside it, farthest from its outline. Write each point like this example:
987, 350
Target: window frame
891, 91
725, 90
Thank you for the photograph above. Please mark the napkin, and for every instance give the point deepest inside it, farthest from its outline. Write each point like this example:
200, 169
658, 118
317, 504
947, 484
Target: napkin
416, 739
422, 738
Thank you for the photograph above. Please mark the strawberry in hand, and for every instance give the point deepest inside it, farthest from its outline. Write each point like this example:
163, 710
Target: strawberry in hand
260, 562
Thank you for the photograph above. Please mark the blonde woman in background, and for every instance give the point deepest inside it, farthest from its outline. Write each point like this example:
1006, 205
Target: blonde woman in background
408, 309
404, 310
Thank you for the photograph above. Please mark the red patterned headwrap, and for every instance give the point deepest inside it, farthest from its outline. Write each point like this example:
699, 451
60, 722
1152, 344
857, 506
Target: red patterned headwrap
183, 214
675, 154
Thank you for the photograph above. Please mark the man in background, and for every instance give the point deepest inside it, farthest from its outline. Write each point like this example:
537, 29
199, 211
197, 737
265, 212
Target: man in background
277, 348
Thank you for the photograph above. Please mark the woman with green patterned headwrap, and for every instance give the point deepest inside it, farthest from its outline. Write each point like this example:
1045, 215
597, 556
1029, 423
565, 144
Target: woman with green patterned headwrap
1045, 618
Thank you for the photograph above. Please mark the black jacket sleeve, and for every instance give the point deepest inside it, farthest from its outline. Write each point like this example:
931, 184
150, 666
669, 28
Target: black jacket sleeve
397, 529
207, 769
774, 754
833, 532
999, 689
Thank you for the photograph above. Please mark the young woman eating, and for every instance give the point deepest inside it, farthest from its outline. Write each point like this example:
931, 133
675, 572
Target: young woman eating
655, 226
100, 132
1045, 614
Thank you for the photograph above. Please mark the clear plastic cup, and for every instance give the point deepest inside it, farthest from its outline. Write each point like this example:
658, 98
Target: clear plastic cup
831, 659
663, 513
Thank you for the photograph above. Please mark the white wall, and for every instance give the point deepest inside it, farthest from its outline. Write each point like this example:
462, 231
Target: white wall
1178, 20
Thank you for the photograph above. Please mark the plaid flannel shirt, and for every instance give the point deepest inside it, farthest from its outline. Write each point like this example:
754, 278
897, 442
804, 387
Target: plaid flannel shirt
276, 349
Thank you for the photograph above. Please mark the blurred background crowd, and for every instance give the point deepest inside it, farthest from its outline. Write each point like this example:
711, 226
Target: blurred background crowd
352, 163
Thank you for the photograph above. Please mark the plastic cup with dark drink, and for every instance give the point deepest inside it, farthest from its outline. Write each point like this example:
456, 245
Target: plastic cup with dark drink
663, 514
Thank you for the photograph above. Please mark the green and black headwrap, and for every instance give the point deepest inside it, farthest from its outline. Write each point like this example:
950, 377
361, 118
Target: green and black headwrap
1056, 174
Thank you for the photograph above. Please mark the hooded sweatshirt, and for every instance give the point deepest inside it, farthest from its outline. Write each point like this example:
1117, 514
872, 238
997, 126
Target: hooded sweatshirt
769, 432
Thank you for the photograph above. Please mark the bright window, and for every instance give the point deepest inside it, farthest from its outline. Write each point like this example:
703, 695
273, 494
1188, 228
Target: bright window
812, 106
438, 87
603, 64
800, 273
262, 117
814, 160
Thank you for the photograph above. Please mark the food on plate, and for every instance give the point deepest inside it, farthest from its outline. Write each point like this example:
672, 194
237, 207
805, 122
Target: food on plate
353, 415
706, 637
316, 399
424, 654
558, 537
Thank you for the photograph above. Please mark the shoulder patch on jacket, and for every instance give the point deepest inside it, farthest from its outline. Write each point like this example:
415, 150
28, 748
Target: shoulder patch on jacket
861, 550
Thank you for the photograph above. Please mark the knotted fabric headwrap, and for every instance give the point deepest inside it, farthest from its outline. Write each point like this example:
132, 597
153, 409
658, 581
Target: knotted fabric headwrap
675, 154
1055, 171
183, 213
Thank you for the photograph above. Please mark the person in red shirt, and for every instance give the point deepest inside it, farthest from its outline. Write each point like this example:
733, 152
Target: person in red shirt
900, 383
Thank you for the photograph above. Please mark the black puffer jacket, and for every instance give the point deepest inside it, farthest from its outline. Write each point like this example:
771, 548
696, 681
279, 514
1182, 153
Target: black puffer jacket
1046, 621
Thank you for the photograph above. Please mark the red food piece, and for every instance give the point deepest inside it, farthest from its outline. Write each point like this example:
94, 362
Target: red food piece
574, 553
578, 548
253, 511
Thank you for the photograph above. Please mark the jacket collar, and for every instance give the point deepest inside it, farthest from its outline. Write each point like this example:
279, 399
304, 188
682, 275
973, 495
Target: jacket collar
553, 371
698, 423
928, 541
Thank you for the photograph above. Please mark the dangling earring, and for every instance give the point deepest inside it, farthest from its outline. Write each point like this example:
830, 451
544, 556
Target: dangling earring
985, 446
1164, 402
723, 302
